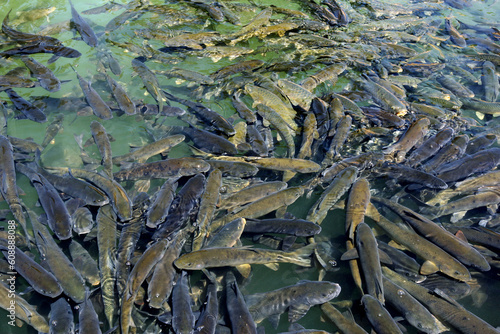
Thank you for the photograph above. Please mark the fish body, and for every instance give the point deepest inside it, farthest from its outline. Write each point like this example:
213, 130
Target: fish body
29, 110
81, 25
183, 319
378, 316
144, 153
88, 321
124, 101
100, 108
228, 256
366, 244
40, 279
84, 263
335, 190
58, 217
297, 299
69, 278
174, 167
44, 75
61, 317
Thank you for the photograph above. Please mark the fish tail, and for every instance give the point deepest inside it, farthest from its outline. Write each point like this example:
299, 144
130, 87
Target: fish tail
302, 256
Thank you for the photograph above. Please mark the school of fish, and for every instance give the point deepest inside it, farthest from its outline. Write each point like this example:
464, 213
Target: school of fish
313, 125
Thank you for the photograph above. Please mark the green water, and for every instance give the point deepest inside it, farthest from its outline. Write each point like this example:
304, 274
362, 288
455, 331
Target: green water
130, 130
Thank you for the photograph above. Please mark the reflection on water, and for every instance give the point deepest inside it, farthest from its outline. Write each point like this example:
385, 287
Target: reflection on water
415, 68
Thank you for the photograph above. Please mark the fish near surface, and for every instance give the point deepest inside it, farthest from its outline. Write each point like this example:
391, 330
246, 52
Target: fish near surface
366, 244
29, 110
228, 256
378, 316
58, 217
436, 258
87, 33
297, 299
44, 75
461, 250
61, 317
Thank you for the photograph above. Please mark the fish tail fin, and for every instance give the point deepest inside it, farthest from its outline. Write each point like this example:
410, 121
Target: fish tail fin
302, 256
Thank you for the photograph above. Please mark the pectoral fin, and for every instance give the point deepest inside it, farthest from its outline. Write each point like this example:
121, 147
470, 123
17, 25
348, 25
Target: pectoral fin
428, 268
296, 312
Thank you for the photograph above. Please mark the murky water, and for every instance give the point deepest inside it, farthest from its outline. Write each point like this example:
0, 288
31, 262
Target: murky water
131, 130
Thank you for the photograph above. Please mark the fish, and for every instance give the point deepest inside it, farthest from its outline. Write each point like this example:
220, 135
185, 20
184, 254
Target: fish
262, 206
458, 208
185, 204
99, 107
137, 276
279, 123
439, 236
455, 87
366, 244
296, 227
183, 319
61, 317
228, 256
58, 217
127, 243
66, 274
208, 202
145, 152
407, 174
402, 263
436, 258
44, 75
297, 299
206, 114
114, 191
269, 99
343, 323
414, 312
246, 113
84, 263
341, 132
158, 210
451, 151
150, 81
430, 147
121, 96
383, 97
88, 321
480, 142
57, 50
8, 186
74, 187
42, 280
164, 274
207, 321
25, 37
29, 110
22, 309
443, 307
480, 162
103, 144
52, 130
379, 317
335, 190
208, 141
250, 194
489, 81
239, 315
309, 133
227, 236
415, 132
106, 244
82, 26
